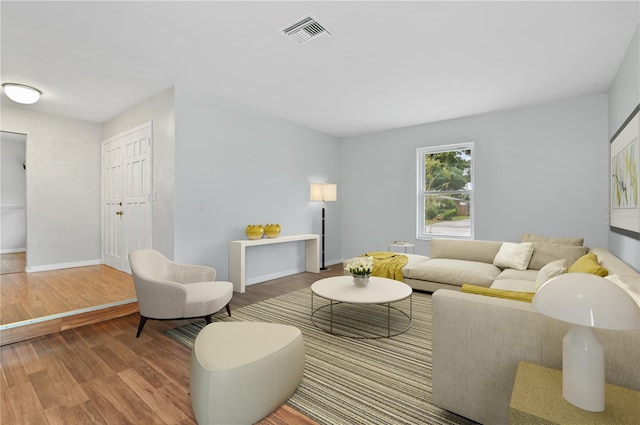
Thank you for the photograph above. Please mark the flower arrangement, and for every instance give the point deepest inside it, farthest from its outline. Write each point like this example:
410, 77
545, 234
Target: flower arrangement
360, 266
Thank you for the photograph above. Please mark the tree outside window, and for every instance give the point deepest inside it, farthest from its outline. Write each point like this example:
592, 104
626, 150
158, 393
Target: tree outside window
445, 191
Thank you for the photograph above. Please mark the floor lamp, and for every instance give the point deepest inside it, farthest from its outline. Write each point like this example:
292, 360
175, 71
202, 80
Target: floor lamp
323, 192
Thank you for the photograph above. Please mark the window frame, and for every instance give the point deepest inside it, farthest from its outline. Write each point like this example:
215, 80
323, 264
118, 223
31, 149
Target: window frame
421, 233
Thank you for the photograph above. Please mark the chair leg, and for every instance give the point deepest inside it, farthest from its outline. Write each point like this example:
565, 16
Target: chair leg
228, 308
207, 318
143, 320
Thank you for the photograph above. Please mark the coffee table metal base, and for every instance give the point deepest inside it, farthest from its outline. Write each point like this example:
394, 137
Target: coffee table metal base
330, 330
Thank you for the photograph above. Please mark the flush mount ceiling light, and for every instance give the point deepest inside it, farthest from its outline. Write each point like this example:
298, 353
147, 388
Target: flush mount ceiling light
21, 94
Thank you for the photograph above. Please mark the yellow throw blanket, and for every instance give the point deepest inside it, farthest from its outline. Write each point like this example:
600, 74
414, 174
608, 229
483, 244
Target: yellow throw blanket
499, 293
388, 264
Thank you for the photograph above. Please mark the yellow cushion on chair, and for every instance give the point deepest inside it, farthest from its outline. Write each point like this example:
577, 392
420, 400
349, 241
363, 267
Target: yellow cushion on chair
499, 293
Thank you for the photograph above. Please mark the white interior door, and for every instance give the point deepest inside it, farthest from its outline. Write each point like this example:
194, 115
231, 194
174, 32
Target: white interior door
126, 203
112, 203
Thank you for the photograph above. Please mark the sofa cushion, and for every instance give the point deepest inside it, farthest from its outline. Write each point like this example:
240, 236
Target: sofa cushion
513, 274
553, 269
516, 280
520, 285
514, 255
532, 237
483, 251
499, 293
545, 252
588, 263
455, 272
414, 259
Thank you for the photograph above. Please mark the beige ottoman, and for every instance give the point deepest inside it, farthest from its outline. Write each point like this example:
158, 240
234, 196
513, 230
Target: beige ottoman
243, 371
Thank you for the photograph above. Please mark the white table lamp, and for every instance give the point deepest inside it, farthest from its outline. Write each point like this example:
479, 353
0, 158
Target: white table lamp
588, 301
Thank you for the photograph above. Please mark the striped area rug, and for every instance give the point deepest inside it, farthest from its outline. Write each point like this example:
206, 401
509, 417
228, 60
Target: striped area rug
354, 381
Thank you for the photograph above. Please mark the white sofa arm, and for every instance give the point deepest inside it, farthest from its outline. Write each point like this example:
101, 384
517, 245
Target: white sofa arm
477, 344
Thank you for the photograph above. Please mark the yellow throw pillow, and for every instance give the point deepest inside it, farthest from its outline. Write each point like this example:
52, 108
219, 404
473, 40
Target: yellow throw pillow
499, 293
588, 263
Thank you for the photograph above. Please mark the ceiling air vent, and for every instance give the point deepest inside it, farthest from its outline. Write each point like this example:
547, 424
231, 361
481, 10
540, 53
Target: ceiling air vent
305, 30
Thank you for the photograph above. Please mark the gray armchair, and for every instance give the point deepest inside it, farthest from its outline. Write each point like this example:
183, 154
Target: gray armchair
169, 291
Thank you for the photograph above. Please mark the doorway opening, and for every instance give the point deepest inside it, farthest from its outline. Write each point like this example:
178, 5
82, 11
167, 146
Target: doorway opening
13, 202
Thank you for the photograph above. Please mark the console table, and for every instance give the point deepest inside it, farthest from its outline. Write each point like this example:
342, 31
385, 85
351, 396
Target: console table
237, 251
537, 399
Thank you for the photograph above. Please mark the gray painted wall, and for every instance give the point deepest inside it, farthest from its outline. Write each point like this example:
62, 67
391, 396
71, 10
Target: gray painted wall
63, 187
160, 110
540, 169
624, 96
237, 166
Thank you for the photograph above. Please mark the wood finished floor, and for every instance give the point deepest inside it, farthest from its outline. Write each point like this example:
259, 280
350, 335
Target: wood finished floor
12, 262
102, 374
25, 296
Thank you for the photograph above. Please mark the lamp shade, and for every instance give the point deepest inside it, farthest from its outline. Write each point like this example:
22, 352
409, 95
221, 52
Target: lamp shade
21, 94
323, 192
587, 300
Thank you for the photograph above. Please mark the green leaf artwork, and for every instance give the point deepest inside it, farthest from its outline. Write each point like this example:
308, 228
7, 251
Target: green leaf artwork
625, 177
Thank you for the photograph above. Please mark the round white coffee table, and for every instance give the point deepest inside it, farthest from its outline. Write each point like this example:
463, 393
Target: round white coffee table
379, 291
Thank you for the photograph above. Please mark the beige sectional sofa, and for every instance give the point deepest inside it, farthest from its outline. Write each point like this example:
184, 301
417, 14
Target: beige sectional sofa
453, 263
479, 340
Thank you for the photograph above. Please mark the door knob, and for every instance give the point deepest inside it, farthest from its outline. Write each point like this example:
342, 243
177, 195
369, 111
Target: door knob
119, 212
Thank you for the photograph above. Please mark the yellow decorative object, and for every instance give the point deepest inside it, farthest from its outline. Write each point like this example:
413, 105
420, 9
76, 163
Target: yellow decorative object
272, 230
255, 231
499, 293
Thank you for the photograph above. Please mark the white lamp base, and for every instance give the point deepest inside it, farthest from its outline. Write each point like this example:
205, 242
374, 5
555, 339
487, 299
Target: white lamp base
583, 369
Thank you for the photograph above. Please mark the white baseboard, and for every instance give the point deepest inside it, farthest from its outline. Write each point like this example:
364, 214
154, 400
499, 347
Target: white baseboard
264, 278
59, 266
12, 250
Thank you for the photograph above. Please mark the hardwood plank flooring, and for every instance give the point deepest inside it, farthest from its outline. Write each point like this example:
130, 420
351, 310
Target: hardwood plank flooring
73, 320
36, 304
25, 296
12, 262
102, 374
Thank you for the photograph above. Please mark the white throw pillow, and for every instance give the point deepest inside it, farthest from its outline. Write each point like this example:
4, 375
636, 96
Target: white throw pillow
552, 269
514, 255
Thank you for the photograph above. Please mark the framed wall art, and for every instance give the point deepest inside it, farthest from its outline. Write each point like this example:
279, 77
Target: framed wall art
625, 178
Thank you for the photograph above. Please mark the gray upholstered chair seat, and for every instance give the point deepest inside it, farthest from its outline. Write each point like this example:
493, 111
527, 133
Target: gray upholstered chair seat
206, 296
167, 290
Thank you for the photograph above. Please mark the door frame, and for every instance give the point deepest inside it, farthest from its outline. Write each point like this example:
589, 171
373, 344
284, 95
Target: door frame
125, 263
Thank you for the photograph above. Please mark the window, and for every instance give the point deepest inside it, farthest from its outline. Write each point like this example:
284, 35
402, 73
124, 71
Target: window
445, 191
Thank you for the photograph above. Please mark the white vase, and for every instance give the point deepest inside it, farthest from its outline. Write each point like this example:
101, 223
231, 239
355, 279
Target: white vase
361, 281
